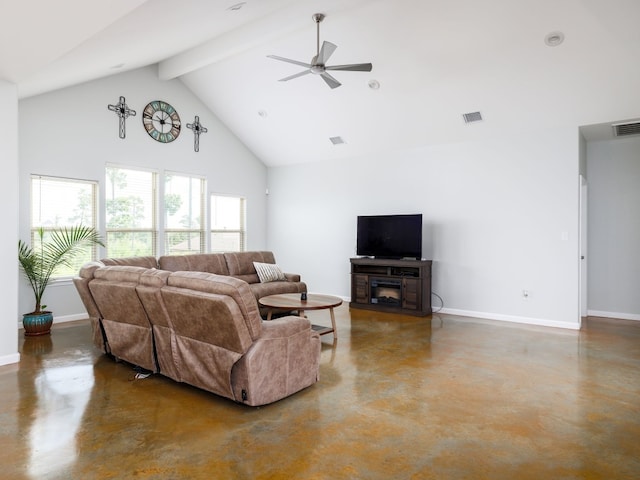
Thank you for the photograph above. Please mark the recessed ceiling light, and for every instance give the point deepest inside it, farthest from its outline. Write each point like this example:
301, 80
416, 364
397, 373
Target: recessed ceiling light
263, 113
115, 67
237, 6
554, 39
374, 84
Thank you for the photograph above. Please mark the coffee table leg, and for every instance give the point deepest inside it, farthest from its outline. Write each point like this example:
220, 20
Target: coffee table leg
269, 313
333, 323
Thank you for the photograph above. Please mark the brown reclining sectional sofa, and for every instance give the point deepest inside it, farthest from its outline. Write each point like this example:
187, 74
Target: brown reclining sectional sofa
195, 319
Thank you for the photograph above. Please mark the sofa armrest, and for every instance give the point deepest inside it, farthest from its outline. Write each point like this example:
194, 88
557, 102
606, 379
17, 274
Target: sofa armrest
292, 277
284, 360
284, 326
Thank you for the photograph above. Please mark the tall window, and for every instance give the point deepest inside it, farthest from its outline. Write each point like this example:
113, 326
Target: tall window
63, 202
184, 210
130, 203
228, 232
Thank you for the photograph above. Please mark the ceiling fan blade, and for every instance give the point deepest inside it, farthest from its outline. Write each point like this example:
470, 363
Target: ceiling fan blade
332, 82
354, 67
325, 52
294, 76
288, 60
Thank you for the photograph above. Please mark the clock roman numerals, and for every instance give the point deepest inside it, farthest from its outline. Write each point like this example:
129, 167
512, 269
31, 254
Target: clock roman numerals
161, 121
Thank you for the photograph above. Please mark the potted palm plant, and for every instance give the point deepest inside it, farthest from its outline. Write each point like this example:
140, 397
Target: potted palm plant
38, 263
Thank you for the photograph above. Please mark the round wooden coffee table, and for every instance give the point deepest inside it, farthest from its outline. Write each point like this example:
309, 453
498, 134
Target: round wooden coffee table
314, 301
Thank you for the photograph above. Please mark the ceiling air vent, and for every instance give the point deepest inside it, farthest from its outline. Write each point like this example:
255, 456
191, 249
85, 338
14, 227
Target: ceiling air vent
628, 128
472, 117
336, 140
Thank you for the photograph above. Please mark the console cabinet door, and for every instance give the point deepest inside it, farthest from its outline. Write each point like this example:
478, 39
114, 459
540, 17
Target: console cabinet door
411, 293
360, 288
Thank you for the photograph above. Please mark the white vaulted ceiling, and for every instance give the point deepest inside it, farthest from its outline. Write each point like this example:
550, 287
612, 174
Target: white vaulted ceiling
433, 59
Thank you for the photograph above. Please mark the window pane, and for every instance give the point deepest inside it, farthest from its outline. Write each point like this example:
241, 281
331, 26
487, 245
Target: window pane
182, 243
225, 213
130, 243
63, 202
226, 242
184, 214
130, 212
227, 224
60, 202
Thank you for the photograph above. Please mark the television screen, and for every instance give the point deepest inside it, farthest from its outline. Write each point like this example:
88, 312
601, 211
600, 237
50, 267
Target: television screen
390, 236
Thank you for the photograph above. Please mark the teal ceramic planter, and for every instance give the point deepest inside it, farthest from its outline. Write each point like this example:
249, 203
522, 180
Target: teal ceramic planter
37, 323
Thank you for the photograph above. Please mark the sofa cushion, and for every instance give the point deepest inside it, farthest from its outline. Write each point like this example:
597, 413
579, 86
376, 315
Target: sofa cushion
268, 272
146, 262
82, 286
124, 319
237, 289
240, 264
273, 288
198, 262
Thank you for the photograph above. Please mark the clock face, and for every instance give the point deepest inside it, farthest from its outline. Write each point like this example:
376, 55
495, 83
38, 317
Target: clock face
161, 121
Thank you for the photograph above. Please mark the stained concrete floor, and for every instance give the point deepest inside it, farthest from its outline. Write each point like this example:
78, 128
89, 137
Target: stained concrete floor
399, 398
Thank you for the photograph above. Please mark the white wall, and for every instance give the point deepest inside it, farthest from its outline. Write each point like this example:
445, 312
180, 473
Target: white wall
71, 133
500, 216
9, 238
614, 228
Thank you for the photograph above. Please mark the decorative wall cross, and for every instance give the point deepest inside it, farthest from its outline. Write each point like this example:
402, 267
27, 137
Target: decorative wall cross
197, 130
123, 112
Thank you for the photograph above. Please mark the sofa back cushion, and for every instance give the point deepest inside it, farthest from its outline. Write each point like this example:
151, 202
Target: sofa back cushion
248, 319
146, 262
114, 291
210, 335
82, 285
240, 264
124, 319
199, 262
148, 289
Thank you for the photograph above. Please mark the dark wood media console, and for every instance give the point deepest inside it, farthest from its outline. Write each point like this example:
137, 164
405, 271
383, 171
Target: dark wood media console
398, 286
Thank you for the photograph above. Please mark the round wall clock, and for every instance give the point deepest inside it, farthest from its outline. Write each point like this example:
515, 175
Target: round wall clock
161, 121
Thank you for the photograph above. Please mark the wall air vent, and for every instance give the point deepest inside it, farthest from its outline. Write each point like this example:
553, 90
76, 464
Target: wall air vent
472, 117
336, 140
627, 128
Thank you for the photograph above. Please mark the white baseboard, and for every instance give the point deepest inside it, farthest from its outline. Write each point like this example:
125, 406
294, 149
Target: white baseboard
70, 318
622, 316
8, 359
512, 318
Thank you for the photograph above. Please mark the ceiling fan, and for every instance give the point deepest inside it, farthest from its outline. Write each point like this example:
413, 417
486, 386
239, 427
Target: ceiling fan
318, 65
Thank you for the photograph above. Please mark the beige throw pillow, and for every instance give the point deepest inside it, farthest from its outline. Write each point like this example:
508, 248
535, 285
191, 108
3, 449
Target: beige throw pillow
268, 272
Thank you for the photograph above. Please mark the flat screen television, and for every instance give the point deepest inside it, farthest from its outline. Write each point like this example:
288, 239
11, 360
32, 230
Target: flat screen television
390, 236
